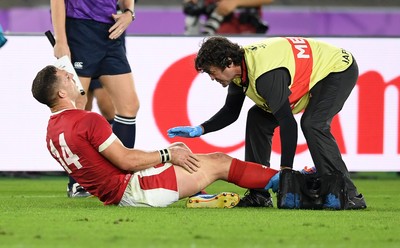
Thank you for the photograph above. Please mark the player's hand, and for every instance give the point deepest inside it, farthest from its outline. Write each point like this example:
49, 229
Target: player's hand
184, 158
185, 131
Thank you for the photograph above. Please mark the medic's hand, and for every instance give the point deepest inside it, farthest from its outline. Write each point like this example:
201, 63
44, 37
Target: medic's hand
273, 183
185, 131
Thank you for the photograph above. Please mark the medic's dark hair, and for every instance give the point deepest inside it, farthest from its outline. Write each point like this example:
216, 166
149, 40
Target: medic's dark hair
219, 52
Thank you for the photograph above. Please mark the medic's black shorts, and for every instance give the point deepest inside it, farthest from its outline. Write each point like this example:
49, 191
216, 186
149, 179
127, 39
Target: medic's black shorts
93, 54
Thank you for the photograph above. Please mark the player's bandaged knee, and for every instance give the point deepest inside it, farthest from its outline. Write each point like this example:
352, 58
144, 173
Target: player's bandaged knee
300, 191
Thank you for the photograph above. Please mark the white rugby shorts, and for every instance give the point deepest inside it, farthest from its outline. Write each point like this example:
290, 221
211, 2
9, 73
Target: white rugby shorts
152, 187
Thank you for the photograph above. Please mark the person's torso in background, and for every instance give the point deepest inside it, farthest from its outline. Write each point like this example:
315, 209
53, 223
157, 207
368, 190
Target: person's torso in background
241, 21
97, 10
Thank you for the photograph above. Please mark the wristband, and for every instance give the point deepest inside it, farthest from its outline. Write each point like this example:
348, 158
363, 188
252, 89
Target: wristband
165, 155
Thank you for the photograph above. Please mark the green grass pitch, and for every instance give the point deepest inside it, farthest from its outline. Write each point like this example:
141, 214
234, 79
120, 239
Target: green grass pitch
37, 213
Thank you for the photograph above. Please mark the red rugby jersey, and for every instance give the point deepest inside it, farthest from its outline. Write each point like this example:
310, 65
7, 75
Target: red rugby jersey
75, 139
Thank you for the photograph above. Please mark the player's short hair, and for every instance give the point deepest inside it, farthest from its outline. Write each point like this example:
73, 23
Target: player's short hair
219, 52
44, 86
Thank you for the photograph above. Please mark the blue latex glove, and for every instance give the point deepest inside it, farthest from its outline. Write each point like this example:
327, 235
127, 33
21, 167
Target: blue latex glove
273, 183
185, 131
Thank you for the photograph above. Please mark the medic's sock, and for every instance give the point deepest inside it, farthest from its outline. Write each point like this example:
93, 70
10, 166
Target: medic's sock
250, 175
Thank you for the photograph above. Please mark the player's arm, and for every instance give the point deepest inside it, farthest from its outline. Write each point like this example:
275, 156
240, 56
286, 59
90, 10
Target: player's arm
135, 159
58, 16
97, 131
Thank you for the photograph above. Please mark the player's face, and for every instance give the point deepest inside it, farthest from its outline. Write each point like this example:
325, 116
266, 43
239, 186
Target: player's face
224, 77
68, 82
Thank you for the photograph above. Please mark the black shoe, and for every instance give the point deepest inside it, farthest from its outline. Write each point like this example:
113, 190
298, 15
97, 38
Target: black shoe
255, 198
357, 202
77, 191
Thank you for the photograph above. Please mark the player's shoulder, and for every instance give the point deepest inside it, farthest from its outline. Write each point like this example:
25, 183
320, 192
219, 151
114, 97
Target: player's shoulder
80, 113
82, 116
88, 115
86, 120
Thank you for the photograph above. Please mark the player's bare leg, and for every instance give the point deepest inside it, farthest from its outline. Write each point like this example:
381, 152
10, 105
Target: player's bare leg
121, 89
104, 103
213, 167
217, 166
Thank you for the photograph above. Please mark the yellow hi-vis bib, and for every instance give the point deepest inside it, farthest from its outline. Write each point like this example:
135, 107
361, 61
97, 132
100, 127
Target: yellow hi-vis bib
307, 60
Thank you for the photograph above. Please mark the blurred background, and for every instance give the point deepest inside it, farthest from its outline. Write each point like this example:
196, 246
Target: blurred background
285, 17
368, 19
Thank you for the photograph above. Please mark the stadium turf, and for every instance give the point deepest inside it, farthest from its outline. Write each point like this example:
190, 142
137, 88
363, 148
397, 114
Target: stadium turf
37, 213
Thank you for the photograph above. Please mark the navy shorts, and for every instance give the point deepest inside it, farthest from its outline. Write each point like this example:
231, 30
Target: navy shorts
93, 54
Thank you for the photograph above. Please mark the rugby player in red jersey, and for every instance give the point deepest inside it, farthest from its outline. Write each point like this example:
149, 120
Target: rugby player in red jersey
87, 149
